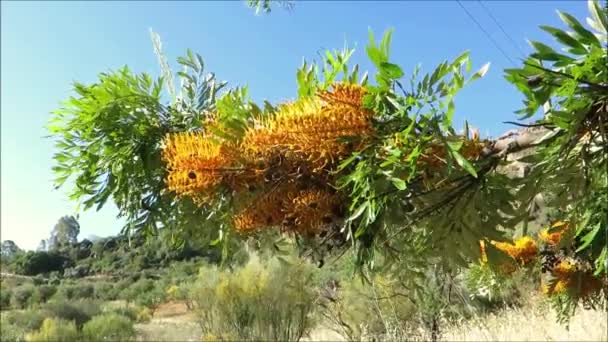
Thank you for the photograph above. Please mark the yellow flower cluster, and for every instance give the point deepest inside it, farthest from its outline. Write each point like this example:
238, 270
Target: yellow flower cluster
435, 155
301, 211
568, 276
309, 129
310, 210
554, 237
195, 162
524, 249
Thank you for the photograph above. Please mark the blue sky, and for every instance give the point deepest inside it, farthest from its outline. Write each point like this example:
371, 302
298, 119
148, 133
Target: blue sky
45, 46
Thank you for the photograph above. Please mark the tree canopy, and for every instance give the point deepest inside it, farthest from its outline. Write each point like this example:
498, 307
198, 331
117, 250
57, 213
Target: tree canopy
374, 166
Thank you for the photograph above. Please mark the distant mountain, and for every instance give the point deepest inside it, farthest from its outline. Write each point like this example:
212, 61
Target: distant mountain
93, 237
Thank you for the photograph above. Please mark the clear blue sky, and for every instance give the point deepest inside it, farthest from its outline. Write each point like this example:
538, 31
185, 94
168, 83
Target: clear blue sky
47, 45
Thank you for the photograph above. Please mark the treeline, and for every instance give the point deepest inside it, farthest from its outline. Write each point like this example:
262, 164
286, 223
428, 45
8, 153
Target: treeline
62, 255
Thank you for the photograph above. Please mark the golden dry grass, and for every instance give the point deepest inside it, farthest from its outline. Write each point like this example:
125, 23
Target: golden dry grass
536, 322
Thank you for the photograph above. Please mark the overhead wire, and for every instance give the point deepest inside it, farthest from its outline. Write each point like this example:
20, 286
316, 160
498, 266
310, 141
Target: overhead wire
486, 33
489, 13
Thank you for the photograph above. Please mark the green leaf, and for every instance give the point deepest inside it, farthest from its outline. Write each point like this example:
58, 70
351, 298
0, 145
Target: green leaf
589, 237
455, 145
583, 33
600, 18
464, 163
359, 211
480, 73
399, 183
566, 39
393, 70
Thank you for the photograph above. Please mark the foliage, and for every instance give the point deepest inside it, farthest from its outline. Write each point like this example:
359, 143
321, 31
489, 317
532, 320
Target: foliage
379, 168
64, 233
22, 320
12, 332
22, 295
571, 162
121, 116
5, 298
265, 5
45, 292
273, 302
8, 250
54, 330
78, 312
109, 326
33, 263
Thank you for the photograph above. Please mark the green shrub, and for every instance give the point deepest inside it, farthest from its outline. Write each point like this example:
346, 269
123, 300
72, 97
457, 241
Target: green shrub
5, 299
79, 311
83, 291
130, 312
109, 327
105, 291
11, 332
76, 291
45, 292
269, 302
65, 291
54, 330
22, 295
26, 320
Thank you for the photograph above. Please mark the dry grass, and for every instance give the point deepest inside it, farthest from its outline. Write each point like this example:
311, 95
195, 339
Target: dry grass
536, 322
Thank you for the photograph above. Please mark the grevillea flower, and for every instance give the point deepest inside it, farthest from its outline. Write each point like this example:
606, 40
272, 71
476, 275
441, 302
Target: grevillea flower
482, 248
310, 210
267, 210
524, 249
310, 129
565, 268
558, 229
195, 162
198, 162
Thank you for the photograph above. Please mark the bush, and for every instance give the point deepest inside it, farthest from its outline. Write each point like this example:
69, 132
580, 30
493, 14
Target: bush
11, 333
80, 312
54, 330
76, 291
33, 263
109, 327
84, 291
25, 320
270, 302
5, 299
129, 312
105, 291
22, 295
45, 292
144, 315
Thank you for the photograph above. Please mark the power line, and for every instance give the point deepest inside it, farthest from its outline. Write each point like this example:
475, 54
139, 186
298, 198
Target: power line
487, 10
486, 33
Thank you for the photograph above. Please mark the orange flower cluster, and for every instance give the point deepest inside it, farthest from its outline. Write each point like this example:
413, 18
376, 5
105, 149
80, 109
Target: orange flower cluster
434, 156
524, 249
301, 211
265, 211
568, 277
309, 129
196, 163
553, 235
